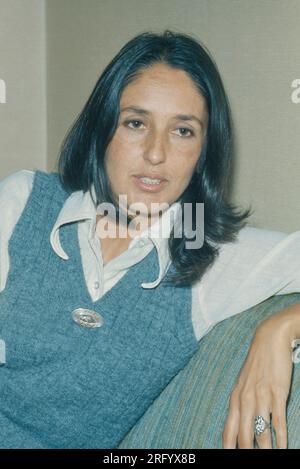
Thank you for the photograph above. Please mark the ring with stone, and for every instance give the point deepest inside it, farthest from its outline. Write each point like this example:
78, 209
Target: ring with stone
260, 425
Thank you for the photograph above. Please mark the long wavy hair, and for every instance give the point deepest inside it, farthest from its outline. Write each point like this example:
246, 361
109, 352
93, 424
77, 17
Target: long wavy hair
82, 153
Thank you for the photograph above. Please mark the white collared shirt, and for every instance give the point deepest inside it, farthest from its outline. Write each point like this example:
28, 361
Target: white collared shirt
259, 264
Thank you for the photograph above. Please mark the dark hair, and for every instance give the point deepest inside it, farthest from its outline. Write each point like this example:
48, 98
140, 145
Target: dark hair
81, 159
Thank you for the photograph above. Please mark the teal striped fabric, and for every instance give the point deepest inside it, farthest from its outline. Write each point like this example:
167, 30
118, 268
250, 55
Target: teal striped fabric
192, 409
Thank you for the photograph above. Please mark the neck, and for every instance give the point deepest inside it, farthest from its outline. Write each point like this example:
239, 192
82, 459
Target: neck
112, 228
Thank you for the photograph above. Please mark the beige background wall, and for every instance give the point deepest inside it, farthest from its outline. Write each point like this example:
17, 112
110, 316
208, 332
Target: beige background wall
23, 69
254, 42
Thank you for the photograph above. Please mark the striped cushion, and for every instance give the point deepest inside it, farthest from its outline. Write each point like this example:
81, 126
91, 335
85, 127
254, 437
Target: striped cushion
191, 411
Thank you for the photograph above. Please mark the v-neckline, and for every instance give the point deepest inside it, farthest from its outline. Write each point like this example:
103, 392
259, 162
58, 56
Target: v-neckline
69, 239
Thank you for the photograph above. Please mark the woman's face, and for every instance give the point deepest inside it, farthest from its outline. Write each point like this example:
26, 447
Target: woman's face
152, 155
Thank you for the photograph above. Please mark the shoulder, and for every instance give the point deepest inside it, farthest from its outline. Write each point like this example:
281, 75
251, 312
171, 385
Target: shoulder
15, 190
237, 258
246, 271
17, 184
252, 243
31, 191
251, 236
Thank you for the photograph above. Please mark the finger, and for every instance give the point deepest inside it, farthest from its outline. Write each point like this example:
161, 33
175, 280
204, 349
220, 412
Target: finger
279, 423
231, 427
264, 439
246, 428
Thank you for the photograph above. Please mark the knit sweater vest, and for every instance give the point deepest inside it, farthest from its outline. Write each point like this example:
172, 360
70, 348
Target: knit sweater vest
69, 386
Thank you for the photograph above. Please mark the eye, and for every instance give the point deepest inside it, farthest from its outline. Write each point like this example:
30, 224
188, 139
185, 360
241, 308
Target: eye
185, 132
133, 123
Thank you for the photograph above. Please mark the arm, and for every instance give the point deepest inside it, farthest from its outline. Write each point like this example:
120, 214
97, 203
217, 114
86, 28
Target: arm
260, 264
264, 383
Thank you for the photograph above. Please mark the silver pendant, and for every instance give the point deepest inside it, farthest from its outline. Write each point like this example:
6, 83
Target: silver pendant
87, 318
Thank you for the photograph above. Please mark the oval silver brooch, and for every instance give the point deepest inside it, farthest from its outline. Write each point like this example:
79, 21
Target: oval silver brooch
87, 318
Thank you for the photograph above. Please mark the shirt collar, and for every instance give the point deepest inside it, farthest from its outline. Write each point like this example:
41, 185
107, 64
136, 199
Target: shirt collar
159, 234
80, 206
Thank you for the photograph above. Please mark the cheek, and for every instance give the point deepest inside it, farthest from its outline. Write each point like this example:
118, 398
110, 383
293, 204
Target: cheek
113, 158
121, 152
186, 167
186, 157
123, 140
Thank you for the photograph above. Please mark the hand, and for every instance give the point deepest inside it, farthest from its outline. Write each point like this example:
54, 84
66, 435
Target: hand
264, 384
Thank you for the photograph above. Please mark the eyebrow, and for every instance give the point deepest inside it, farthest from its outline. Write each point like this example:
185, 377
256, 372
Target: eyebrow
183, 117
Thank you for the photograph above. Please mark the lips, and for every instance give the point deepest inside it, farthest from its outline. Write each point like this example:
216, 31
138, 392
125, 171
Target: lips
143, 185
151, 176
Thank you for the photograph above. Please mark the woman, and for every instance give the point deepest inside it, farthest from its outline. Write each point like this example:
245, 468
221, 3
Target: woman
96, 326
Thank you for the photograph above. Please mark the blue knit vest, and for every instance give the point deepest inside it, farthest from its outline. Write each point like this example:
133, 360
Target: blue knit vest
68, 386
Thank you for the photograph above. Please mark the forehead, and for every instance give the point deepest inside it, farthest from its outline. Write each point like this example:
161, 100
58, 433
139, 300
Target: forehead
162, 84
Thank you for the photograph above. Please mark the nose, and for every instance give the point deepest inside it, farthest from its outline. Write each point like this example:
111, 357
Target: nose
155, 150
